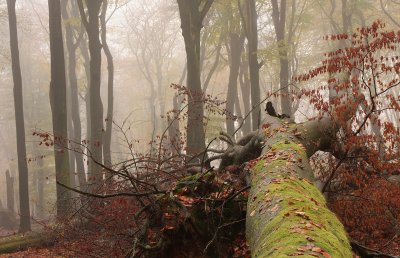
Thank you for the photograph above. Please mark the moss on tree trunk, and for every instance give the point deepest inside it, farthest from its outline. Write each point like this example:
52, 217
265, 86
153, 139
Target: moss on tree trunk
287, 215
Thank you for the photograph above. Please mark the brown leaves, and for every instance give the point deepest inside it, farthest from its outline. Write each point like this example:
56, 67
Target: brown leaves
312, 250
186, 200
275, 208
302, 215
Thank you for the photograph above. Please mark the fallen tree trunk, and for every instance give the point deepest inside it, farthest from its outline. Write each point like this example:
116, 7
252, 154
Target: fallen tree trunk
286, 214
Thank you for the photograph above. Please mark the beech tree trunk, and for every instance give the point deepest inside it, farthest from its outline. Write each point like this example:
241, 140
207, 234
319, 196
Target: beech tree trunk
286, 214
245, 90
192, 17
279, 18
25, 222
91, 23
83, 47
10, 191
110, 85
40, 189
58, 103
236, 46
250, 20
73, 86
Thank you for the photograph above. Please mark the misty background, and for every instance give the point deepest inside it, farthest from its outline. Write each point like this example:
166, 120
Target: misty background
145, 40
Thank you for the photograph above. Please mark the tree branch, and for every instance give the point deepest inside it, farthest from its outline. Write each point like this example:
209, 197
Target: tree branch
205, 9
105, 196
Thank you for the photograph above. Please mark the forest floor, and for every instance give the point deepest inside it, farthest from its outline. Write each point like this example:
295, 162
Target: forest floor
11, 240
372, 227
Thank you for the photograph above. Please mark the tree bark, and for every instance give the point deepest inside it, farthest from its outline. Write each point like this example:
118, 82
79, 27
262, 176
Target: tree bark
73, 85
249, 17
25, 223
236, 46
58, 105
279, 18
91, 23
110, 87
86, 63
10, 191
191, 23
286, 214
245, 90
40, 186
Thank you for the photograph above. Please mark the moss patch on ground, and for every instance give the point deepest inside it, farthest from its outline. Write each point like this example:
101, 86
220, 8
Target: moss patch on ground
20, 241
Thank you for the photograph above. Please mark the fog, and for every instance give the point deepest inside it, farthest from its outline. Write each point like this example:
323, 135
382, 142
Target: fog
148, 50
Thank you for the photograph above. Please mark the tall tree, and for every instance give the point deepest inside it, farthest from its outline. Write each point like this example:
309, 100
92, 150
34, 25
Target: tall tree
72, 46
110, 86
249, 17
229, 21
236, 42
92, 25
279, 19
192, 14
244, 82
58, 103
25, 222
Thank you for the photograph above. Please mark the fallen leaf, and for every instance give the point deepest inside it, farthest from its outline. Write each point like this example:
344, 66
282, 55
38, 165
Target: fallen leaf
275, 208
316, 249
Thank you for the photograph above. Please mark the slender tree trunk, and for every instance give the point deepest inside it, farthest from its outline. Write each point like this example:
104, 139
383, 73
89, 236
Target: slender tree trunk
213, 68
191, 24
173, 130
160, 95
236, 46
346, 28
25, 222
245, 89
59, 108
83, 46
250, 21
40, 187
110, 83
239, 112
10, 191
279, 18
153, 117
73, 86
96, 107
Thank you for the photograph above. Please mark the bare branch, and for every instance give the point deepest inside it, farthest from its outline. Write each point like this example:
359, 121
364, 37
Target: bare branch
105, 196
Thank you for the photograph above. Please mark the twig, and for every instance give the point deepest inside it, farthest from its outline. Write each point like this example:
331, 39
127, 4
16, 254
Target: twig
105, 196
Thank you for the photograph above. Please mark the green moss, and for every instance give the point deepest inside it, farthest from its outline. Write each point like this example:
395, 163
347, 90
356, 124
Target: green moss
276, 163
285, 233
283, 145
18, 242
286, 212
259, 166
